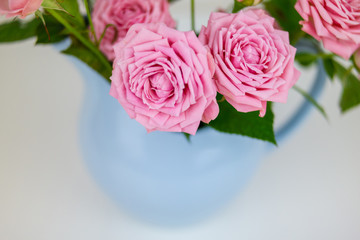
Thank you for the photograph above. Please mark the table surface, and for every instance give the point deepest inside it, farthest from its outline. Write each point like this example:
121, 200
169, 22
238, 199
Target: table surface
308, 188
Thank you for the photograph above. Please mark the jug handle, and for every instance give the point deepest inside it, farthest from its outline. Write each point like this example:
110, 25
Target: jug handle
315, 91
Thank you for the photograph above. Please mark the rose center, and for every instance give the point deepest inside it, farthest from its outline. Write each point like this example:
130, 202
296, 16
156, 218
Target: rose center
128, 15
245, 55
251, 55
160, 86
130, 11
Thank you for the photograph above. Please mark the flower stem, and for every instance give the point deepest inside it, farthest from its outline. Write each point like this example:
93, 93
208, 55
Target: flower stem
104, 32
86, 3
193, 15
81, 38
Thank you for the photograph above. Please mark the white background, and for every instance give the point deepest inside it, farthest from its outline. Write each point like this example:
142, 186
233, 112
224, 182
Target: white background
309, 188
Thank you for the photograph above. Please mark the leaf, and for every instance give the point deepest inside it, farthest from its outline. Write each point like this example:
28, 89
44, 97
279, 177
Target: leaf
70, 11
340, 71
55, 29
81, 52
305, 59
311, 100
350, 96
53, 4
249, 124
286, 15
239, 5
329, 67
40, 15
351, 93
187, 136
18, 30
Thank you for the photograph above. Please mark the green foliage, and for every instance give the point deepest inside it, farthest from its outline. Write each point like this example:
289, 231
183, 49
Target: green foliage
69, 10
350, 96
55, 30
81, 52
247, 124
52, 4
18, 30
311, 100
306, 59
187, 136
239, 5
351, 93
329, 67
287, 17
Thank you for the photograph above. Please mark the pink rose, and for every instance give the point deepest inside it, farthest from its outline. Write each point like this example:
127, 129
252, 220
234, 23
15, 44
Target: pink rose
334, 22
122, 14
163, 78
254, 61
22, 8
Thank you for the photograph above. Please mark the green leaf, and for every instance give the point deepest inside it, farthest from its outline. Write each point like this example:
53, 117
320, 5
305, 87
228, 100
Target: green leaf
305, 59
55, 29
187, 136
52, 4
287, 17
18, 30
81, 52
340, 71
311, 100
69, 9
238, 6
350, 96
329, 67
351, 93
249, 124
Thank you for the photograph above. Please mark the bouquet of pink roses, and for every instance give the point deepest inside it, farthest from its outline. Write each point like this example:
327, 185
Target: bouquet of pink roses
224, 77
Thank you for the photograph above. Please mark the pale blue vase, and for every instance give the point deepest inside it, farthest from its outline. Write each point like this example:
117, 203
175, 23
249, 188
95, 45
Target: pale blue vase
161, 177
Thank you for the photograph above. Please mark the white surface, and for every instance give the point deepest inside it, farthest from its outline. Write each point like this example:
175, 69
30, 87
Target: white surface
309, 188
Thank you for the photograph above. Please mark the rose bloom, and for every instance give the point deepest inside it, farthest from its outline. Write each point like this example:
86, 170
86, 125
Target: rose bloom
122, 14
163, 78
334, 22
254, 61
21, 8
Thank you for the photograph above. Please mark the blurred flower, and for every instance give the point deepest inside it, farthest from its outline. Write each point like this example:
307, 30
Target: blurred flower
21, 8
163, 78
334, 22
254, 61
122, 15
